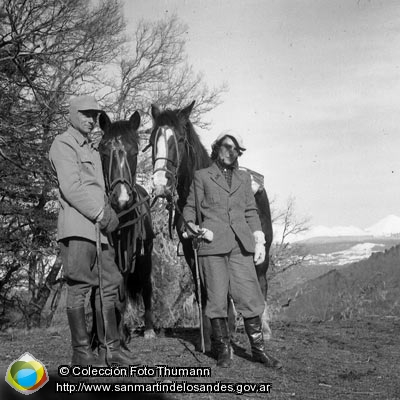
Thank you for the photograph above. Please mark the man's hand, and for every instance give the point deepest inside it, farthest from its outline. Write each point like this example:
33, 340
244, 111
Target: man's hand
109, 221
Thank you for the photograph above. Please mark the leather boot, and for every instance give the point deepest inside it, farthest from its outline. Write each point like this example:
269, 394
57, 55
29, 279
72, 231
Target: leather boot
81, 350
110, 342
221, 341
254, 332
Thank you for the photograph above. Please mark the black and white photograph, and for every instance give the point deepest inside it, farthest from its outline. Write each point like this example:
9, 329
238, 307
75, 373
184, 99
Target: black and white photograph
199, 199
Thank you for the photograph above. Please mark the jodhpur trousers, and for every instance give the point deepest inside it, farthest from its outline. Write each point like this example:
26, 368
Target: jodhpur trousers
234, 273
81, 272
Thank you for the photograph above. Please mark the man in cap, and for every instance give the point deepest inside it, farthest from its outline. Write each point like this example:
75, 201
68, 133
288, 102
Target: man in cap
232, 241
83, 204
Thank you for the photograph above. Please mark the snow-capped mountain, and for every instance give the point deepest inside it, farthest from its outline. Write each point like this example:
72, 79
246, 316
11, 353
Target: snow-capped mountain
386, 227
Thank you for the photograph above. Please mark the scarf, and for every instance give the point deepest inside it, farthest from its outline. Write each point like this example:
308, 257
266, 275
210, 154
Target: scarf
227, 170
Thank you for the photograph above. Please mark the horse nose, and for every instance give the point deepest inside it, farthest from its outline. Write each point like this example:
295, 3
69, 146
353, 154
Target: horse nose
159, 179
159, 190
123, 197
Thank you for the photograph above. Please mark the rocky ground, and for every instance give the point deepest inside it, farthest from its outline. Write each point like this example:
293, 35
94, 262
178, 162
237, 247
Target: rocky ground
357, 359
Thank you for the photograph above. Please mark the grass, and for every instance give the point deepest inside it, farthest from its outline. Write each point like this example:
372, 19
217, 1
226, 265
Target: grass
369, 287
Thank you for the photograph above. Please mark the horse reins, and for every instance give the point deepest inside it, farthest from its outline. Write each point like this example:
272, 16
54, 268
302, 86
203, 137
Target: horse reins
173, 203
115, 150
130, 182
176, 164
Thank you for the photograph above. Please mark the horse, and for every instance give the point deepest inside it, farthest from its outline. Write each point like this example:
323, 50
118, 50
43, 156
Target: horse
133, 239
177, 153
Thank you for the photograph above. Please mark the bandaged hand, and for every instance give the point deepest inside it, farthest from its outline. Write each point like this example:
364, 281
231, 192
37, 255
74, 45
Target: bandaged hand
207, 235
196, 231
259, 250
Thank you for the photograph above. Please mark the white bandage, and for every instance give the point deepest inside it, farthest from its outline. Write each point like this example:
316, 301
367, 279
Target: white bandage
206, 234
259, 250
259, 237
259, 253
202, 233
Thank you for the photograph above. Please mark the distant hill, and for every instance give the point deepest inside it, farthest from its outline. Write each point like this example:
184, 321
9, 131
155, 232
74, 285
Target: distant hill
339, 243
368, 287
386, 227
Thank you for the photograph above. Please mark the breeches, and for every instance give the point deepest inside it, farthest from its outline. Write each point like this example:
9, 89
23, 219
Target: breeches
232, 273
81, 272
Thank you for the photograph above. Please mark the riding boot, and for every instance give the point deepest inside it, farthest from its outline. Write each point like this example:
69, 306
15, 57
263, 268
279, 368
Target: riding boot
221, 341
110, 342
81, 350
256, 338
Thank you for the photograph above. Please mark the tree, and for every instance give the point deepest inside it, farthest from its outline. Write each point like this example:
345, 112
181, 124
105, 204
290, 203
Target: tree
284, 254
153, 68
48, 49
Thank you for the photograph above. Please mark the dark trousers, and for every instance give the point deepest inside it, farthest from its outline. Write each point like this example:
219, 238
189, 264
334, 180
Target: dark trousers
232, 273
82, 274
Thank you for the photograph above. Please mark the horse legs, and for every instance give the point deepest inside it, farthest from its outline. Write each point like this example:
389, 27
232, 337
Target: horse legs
262, 279
206, 323
207, 329
265, 323
148, 312
206, 332
144, 268
232, 314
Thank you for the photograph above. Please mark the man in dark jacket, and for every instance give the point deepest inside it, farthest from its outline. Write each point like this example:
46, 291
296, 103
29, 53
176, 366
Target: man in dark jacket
232, 241
83, 205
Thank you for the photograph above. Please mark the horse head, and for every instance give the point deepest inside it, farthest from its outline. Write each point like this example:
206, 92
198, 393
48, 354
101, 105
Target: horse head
168, 140
119, 150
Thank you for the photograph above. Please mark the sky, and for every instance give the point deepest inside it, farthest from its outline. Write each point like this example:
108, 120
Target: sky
314, 90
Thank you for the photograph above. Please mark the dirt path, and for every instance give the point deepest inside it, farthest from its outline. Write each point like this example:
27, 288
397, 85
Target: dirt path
333, 360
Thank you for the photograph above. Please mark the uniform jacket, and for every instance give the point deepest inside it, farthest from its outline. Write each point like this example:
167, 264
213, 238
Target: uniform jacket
229, 213
80, 183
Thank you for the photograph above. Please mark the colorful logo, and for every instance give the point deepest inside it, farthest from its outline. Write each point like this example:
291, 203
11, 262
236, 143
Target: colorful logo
27, 374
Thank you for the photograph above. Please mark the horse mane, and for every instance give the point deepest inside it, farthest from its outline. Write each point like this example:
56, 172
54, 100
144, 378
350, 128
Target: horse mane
199, 154
195, 156
123, 129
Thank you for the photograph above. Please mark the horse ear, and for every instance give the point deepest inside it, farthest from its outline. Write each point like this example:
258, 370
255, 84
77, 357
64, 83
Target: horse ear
104, 121
155, 111
187, 110
134, 120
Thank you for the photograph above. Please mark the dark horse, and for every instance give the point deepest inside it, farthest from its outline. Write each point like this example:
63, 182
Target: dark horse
177, 153
133, 240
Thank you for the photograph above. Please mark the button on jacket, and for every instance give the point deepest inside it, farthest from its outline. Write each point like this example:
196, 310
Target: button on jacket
81, 185
229, 213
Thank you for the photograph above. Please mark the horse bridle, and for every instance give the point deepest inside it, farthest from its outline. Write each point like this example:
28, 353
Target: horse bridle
176, 165
115, 151
172, 199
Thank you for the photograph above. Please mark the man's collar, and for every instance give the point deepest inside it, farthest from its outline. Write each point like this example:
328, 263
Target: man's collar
80, 139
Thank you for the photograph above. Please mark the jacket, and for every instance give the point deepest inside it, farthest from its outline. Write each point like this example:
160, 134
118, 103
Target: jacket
230, 213
80, 183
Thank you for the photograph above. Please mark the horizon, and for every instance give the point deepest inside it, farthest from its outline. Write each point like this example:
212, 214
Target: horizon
313, 92
387, 227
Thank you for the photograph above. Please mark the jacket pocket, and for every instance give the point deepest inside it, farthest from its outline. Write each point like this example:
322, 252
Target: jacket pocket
211, 198
87, 168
